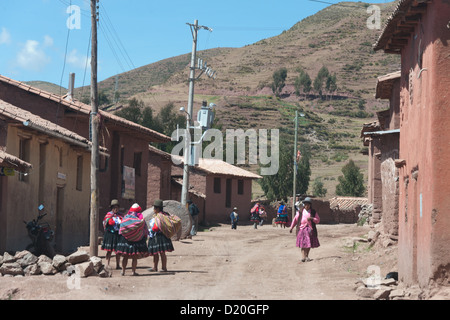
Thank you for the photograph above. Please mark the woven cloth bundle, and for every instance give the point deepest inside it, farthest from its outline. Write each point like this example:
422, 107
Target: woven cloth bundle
168, 224
133, 228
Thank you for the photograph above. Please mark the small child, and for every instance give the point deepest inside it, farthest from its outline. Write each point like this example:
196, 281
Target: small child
234, 218
262, 215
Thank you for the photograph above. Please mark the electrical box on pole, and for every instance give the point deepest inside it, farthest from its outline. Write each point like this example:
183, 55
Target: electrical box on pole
205, 116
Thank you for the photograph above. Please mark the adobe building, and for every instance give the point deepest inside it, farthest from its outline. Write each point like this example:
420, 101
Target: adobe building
123, 174
50, 166
419, 31
216, 187
382, 139
159, 176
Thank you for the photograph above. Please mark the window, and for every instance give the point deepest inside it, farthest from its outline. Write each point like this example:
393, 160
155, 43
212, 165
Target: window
60, 157
79, 185
228, 194
137, 163
240, 187
24, 154
216, 185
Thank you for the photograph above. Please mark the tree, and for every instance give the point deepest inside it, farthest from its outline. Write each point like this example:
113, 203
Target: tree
168, 119
279, 81
303, 170
302, 83
279, 185
318, 189
331, 84
103, 98
352, 182
322, 76
132, 112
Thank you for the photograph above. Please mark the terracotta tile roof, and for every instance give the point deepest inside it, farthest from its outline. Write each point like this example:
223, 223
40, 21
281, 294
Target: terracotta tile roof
86, 109
10, 161
197, 193
347, 203
35, 122
400, 24
219, 167
163, 154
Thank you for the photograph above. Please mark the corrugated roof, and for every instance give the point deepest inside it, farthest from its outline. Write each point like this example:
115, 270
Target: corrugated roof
347, 203
86, 109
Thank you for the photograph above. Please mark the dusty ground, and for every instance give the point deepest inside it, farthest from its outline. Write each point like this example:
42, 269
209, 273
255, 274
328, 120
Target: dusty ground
221, 264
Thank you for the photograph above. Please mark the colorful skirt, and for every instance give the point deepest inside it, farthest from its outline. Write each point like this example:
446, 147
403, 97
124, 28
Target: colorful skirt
282, 219
307, 239
255, 217
132, 247
110, 240
159, 243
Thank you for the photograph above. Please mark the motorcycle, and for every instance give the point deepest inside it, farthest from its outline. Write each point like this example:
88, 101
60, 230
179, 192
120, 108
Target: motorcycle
41, 235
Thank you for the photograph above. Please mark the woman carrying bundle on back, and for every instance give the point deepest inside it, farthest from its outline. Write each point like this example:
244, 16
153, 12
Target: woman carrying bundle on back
111, 225
161, 228
132, 240
254, 215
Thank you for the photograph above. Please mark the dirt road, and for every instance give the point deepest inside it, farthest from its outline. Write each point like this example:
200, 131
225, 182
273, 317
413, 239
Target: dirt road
221, 264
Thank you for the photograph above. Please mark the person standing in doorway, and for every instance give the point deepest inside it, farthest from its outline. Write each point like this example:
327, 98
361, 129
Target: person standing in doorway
307, 236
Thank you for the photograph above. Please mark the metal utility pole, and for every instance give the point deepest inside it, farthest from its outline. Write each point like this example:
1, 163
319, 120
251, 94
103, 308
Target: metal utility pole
295, 165
187, 146
93, 238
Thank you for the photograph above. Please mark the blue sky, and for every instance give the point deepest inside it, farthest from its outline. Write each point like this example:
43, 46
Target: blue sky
37, 44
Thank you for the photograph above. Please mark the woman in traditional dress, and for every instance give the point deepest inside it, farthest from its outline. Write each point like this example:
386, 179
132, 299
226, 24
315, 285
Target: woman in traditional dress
158, 243
132, 241
254, 215
307, 237
111, 224
282, 215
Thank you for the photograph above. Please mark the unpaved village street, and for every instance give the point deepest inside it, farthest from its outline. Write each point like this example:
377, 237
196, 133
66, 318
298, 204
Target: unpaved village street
221, 264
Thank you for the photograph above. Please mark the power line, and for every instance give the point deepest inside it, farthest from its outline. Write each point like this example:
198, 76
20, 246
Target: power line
120, 44
111, 47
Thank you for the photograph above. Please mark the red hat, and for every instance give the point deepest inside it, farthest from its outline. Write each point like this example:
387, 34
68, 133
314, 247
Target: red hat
135, 208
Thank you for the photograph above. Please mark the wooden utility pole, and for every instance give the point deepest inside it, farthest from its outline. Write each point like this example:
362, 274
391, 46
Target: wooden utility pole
93, 238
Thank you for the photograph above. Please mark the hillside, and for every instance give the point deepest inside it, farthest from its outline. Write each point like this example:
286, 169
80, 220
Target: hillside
48, 86
337, 37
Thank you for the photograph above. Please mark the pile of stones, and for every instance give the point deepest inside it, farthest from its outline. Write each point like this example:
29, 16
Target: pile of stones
25, 263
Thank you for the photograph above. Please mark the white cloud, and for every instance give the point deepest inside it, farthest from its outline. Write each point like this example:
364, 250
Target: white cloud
78, 60
32, 57
48, 41
5, 37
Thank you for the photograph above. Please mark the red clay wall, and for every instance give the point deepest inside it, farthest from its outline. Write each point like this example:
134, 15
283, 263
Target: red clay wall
424, 206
